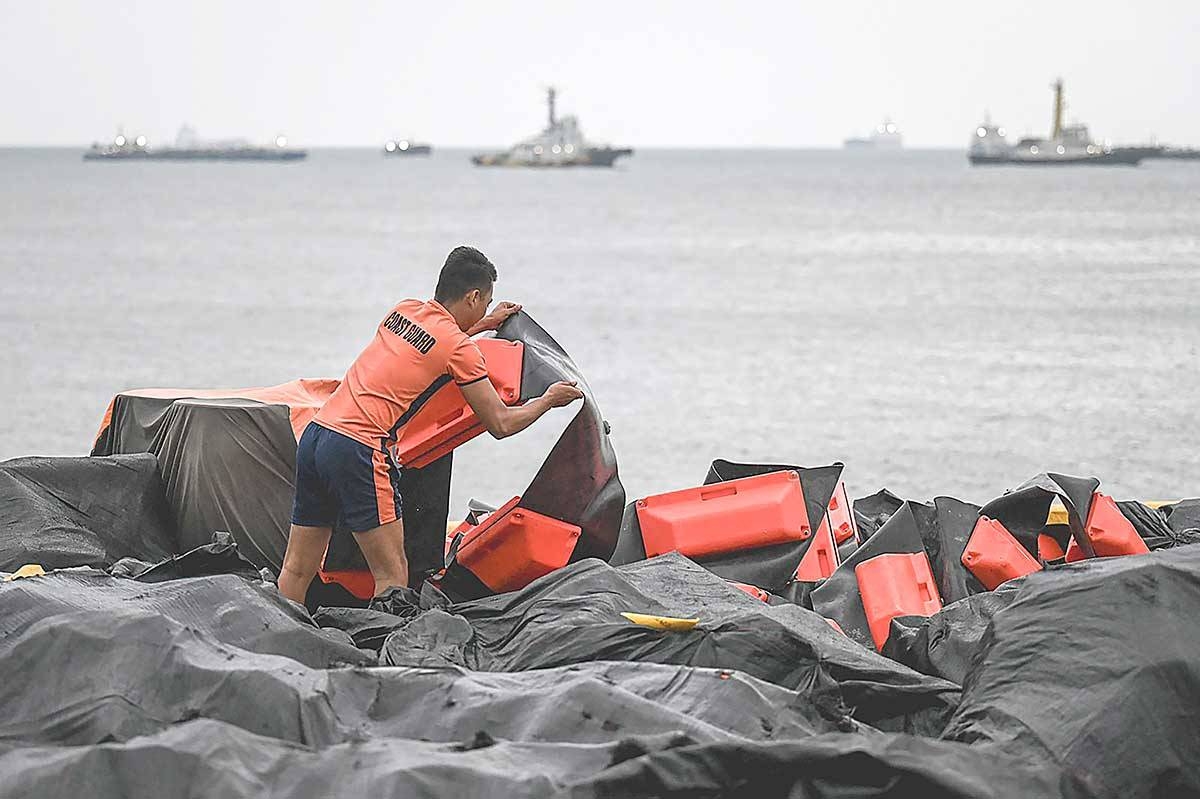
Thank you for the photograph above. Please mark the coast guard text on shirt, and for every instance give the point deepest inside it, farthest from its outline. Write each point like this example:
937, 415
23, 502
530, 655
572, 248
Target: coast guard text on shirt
411, 332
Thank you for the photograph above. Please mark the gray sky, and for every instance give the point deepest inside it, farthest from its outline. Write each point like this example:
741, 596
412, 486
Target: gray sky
643, 73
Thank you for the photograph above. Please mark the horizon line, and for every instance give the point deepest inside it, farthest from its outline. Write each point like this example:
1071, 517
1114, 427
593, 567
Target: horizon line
498, 148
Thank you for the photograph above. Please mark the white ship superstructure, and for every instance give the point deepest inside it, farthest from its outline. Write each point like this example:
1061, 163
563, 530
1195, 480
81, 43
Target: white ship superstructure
990, 142
886, 136
561, 144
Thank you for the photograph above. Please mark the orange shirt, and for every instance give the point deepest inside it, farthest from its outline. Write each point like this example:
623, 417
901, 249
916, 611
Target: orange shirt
417, 349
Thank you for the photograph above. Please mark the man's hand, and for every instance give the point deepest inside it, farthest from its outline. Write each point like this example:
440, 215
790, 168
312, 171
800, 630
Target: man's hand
496, 318
562, 393
503, 421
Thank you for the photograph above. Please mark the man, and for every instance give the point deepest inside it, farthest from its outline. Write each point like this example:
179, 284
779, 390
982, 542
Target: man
343, 470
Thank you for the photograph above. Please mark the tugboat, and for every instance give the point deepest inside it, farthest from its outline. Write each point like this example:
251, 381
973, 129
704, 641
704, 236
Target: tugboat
406, 147
188, 148
886, 136
1068, 145
560, 144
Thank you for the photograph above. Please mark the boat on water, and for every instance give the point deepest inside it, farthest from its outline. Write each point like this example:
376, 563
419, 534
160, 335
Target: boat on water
188, 147
1068, 145
886, 136
403, 147
561, 144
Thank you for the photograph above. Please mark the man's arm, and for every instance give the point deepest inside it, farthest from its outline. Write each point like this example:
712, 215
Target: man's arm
496, 318
501, 420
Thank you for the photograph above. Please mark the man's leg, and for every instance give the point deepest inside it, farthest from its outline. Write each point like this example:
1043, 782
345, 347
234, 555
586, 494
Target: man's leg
383, 548
305, 551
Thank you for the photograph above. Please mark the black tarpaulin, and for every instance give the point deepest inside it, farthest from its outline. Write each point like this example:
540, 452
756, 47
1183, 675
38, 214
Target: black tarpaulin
871, 512
60, 512
232, 610
166, 672
578, 482
222, 556
830, 767
210, 758
227, 457
573, 616
221, 759
368, 627
1078, 676
132, 421
134, 417
880, 693
228, 466
945, 533
1154, 528
220, 686
1183, 516
947, 644
1097, 664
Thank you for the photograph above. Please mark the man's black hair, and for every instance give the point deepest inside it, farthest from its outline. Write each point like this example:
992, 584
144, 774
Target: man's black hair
466, 268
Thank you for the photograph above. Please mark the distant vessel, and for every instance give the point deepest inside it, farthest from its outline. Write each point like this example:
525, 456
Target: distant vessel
560, 144
1068, 145
406, 147
990, 145
188, 148
886, 136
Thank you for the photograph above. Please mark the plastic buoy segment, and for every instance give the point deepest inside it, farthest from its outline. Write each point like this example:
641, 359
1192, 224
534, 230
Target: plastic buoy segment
994, 556
709, 520
896, 585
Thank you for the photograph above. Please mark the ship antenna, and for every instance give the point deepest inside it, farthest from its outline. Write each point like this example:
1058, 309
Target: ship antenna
1058, 109
550, 102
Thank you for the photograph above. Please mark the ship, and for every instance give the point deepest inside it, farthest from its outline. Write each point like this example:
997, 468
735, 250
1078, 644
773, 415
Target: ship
886, 136
1068, 145
561, 144
188, 147
406, 147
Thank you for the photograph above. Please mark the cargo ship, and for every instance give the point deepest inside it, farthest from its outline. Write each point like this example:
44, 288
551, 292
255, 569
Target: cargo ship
189, 148
561, 144
402, 147
886, 136
1068, 145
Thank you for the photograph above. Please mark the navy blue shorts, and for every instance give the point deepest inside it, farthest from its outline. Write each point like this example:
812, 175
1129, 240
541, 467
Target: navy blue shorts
343, 483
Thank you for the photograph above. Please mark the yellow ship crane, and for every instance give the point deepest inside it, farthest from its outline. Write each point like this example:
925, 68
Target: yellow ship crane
1056, 132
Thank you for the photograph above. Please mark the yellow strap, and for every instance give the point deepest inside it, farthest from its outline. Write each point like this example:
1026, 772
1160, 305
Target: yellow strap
28, 570
661, 622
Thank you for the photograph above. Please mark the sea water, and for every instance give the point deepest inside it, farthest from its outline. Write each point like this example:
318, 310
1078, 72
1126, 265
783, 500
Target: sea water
938, 328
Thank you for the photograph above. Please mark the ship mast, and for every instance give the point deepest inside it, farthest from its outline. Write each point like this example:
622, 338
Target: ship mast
1058, 109
550, 102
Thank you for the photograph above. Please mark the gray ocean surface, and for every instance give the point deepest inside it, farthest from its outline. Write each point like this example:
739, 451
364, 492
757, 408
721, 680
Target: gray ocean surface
939, 329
